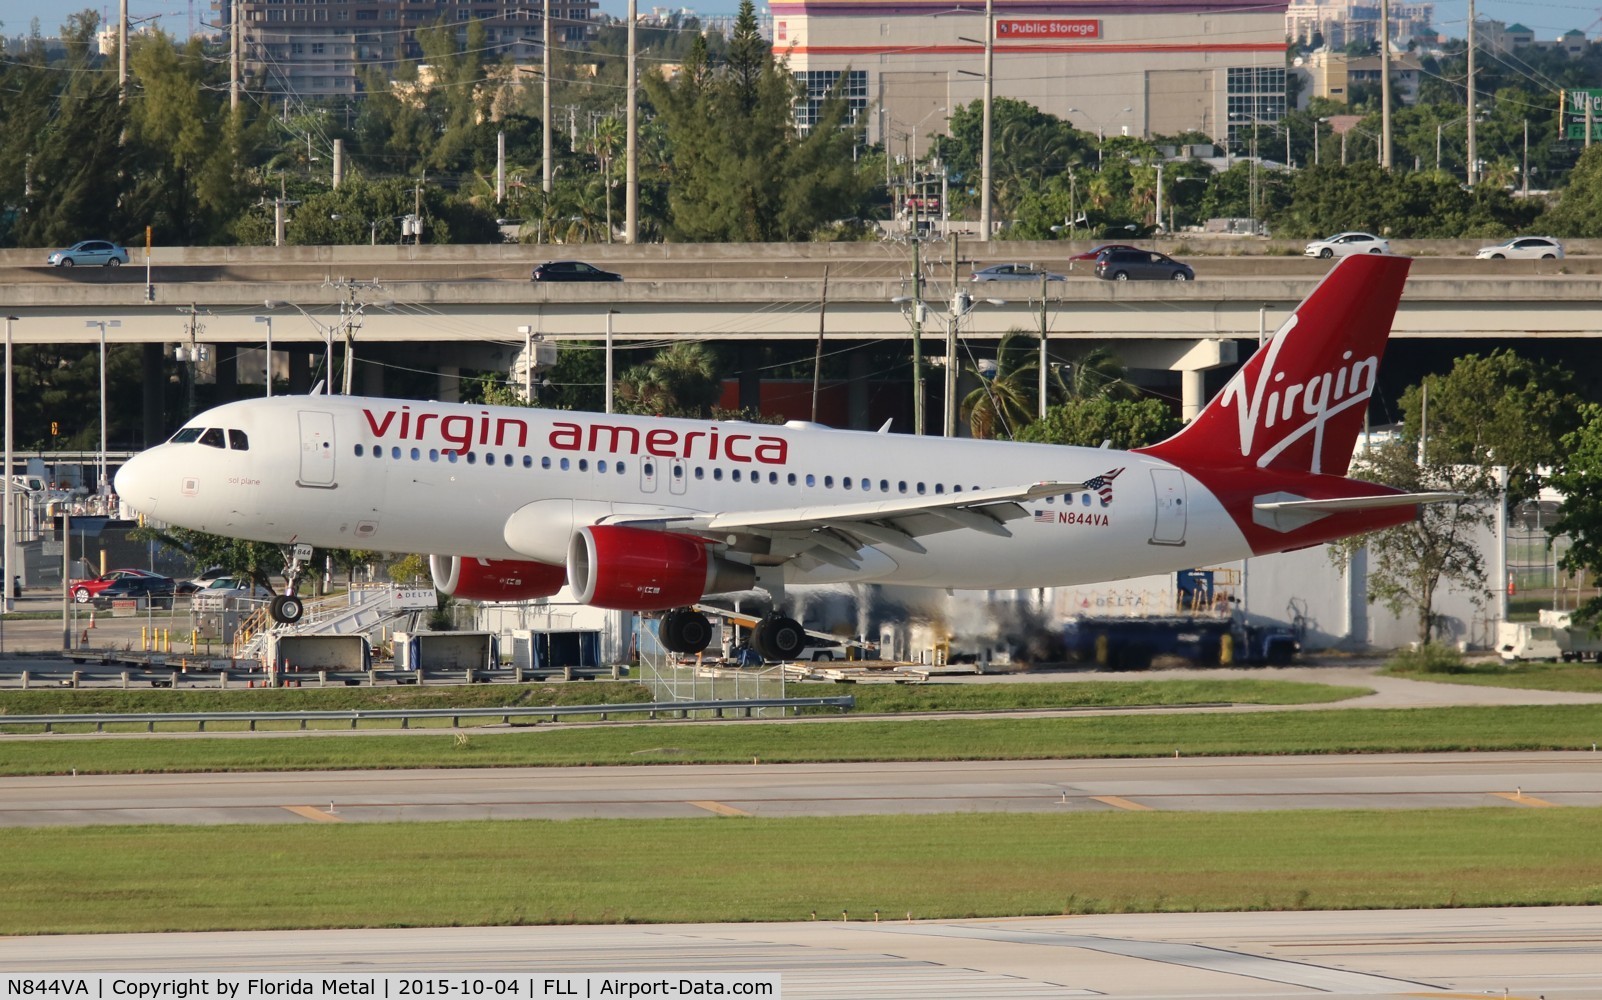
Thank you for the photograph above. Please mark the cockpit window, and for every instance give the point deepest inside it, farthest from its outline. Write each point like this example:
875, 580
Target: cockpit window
186, 435
238, 441
212, 437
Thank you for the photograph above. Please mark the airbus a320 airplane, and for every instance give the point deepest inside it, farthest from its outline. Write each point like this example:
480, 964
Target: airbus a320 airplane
650, 514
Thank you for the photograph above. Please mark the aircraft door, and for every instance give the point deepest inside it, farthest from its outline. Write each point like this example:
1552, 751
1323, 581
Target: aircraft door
678, 476
648, 470
316, 450
1169, 490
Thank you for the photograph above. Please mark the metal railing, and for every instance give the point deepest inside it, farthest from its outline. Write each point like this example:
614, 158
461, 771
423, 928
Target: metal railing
672, 709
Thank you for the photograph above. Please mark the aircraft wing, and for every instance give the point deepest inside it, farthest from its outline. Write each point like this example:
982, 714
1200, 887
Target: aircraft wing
835, 533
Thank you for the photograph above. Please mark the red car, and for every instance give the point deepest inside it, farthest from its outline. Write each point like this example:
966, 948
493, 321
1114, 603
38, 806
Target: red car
1093, 254
140, 580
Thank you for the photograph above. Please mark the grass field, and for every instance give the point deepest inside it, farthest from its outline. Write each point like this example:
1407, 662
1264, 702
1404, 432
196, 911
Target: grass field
1534, 676
870, 698
1564, 727
145, 878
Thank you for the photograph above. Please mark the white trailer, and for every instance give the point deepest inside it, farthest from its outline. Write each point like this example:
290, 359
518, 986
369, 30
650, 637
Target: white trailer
1553, 636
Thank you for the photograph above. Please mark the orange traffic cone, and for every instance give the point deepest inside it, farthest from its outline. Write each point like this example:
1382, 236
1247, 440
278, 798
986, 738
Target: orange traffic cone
91, 619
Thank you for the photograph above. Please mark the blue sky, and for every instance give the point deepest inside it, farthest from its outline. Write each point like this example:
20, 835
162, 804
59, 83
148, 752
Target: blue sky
1548, 20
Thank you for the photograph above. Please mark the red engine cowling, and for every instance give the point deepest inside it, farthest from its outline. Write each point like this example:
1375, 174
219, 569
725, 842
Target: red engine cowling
635, 569
494, 579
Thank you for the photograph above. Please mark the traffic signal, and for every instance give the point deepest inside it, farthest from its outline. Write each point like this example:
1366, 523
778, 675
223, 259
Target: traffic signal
55, 428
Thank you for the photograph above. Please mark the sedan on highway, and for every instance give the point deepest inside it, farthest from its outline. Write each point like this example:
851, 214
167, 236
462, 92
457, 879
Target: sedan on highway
572, 270
1342, 244
1523, 247
90, 252
1141, 265
1015, 272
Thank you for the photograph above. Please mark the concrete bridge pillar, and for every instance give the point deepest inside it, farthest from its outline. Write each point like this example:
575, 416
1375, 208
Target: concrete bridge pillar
1191, 359
154, 358
299, 364
450, 384
857, 392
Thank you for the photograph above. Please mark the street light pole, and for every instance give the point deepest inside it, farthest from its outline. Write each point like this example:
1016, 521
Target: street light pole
9, 530
269, 366
989, 95
102, 486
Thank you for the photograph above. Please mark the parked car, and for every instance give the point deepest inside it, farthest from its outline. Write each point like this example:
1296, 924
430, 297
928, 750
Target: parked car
821, 651
131, 587
1141, 265
201, 580
90, 252
572, 270
1342, 244
1015, 272
216, 595
139, 583
1523, 247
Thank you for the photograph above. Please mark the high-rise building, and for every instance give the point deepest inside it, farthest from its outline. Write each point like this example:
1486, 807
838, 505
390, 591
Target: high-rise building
317, 48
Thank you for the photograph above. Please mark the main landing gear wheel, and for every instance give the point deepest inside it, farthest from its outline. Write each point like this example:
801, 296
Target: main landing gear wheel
286, 610
684, 630
778, 638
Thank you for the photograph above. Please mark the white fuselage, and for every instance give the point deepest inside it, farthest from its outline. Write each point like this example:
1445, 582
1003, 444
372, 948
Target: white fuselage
442, 478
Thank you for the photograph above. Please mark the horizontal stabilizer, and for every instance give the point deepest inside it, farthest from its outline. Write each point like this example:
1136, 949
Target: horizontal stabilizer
1288, 512
1357, 503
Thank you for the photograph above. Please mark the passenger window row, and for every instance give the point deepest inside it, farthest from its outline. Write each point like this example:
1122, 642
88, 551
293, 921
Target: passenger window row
717, 473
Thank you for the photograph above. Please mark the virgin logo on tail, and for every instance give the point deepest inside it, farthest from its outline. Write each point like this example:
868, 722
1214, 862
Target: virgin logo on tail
1265, 401
1297, 405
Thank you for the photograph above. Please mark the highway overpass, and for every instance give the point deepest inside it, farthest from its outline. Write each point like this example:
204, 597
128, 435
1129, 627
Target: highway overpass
447, 308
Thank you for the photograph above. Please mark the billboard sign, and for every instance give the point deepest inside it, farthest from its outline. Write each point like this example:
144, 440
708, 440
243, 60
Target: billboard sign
1575, 102
1046, 28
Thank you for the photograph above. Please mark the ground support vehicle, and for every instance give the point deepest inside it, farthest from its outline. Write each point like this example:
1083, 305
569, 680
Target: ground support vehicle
1118, 642
1553, 636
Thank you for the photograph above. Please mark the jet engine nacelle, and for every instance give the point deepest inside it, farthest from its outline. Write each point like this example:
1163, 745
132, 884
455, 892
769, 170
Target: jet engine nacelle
494, 579
636, 569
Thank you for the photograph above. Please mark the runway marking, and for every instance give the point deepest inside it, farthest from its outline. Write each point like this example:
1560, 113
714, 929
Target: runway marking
311, 812
720, 809
1119, 802
1526, 800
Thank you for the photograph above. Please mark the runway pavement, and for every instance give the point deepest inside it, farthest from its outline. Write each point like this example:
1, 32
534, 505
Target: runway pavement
1504, 953
1378, 781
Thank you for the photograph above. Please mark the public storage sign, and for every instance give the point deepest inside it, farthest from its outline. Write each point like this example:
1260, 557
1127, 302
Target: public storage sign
1053, 28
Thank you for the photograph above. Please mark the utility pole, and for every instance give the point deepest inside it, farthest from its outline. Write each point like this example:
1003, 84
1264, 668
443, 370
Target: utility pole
500, 167
122, 57
989, 94
545, 95
1472, 172
1040, 407
631, 168
233, 55
917, 341
1385, 83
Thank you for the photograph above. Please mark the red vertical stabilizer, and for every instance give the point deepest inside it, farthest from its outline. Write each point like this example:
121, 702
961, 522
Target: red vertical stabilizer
1297, 404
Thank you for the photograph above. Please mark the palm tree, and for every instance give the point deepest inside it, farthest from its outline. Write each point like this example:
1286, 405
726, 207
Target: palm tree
682, 381
1007, 399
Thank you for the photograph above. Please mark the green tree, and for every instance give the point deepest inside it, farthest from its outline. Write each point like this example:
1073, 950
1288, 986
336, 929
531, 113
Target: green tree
1089, 422
1408, 564
1007, 398
737, 168
1497, 409
681, 381
1578, 212
1579, 480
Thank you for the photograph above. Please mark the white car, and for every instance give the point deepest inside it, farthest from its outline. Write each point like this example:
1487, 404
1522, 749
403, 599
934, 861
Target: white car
1342, 244
216, 595
1523, 247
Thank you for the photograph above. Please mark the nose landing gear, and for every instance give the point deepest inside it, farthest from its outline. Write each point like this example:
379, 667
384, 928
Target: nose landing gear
287, 608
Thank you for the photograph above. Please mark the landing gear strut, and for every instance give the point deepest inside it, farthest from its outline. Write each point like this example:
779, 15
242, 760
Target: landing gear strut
684, 630
778, 638
286, 608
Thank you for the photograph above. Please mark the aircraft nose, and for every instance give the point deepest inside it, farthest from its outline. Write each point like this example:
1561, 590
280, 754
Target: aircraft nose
135, 483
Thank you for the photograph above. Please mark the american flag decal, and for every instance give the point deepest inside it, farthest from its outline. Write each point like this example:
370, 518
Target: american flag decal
1102, 484
1045, 516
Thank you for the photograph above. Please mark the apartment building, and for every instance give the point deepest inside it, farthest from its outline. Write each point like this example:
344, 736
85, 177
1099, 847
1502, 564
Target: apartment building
316, 48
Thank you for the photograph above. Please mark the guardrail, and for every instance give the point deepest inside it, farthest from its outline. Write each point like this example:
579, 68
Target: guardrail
682, 710
224, 673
